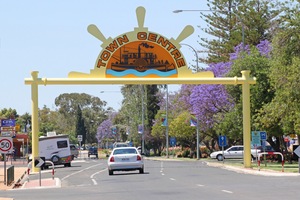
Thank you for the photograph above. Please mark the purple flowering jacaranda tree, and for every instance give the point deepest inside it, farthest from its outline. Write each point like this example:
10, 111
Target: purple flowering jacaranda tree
208, 100
104, 131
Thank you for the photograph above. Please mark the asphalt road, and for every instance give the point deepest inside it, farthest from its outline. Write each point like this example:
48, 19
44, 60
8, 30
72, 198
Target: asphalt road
89, 179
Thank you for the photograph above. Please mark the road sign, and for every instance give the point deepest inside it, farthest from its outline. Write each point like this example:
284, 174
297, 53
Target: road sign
297, 151
6, 144
173, 141
38, 162
79, 137
222, 141
255, 138
263, 135
8, 122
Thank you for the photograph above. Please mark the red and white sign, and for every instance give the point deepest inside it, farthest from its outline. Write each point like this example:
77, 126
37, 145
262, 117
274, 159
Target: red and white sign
6, 144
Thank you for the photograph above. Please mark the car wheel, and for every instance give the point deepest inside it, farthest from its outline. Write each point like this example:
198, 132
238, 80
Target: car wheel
110, 172
141, 170
220, 157
55, 159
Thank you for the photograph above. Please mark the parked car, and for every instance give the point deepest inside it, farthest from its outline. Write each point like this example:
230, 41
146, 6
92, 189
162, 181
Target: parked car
74, 151
125, 159
233, 152
93, 151
120, 144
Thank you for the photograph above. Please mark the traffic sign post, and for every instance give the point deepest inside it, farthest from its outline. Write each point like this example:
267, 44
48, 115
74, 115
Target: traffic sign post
255, 138
173, 144
6, 145
297, 152
222, 140
222, 143
172, 141
79, 138
39, 162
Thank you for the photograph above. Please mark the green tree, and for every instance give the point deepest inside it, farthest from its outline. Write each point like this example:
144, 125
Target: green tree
185, 133
8, 113
229, 18
281, 115
92, 109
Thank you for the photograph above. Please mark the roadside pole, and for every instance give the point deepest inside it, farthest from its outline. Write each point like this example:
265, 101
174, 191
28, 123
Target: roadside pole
4, 156
297, 152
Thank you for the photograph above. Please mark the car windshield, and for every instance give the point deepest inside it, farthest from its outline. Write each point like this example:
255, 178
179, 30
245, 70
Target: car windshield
124, 151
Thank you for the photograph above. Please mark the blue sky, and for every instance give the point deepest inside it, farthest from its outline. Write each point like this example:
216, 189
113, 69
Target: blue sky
51, 37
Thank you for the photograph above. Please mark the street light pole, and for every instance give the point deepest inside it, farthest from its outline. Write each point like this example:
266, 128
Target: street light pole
167, 123
197, 59
243, 28
196, 54
143, 119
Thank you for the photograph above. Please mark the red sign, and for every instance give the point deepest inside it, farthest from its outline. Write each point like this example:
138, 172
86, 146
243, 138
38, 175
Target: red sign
6, 144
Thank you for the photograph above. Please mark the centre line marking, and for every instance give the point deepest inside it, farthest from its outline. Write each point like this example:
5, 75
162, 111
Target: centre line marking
227, 191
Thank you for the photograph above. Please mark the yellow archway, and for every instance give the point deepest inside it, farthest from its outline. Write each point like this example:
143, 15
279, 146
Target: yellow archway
141, 57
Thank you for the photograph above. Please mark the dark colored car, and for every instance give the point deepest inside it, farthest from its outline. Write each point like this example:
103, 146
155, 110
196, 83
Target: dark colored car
93, 151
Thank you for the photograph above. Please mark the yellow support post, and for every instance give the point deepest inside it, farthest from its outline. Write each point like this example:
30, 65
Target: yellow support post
34, 118
246, 118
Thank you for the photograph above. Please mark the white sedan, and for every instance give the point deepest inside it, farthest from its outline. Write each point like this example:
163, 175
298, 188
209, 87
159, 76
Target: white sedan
233, 152
125, 159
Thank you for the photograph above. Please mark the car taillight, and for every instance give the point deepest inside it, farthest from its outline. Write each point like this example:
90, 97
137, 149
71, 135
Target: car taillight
138, 157
112, 159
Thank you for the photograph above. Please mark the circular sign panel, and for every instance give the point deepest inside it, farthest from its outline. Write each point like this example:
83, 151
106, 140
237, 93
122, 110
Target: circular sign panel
5, 144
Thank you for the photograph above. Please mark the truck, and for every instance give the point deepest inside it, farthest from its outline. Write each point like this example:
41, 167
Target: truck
56, 148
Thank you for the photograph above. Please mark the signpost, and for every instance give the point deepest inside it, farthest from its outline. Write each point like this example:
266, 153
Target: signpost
173, 141
6, 145
222, 143
255, 138
297, 152
79, 138
173, 144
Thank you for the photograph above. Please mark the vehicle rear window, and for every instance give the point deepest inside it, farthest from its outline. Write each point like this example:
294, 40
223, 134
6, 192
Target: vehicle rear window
62, 144
125, 151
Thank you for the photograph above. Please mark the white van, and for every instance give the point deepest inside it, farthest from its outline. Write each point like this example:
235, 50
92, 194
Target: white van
56, 149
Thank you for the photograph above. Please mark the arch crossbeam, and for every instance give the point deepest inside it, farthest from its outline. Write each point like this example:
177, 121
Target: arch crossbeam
245, 80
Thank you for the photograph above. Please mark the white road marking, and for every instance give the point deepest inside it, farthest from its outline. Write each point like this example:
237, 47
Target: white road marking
200, 185
92, 176
172, 179
162, 168
80, 171
94, 182
227, 191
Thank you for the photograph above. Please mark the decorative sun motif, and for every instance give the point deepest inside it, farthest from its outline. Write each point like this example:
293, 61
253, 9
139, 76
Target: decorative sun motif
139, 53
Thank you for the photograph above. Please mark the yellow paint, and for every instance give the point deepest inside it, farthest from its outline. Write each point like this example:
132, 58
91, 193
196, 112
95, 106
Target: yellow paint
246, 118
34, 119
126, 45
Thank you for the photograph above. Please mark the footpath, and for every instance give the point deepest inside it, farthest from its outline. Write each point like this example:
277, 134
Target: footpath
20, 170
